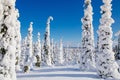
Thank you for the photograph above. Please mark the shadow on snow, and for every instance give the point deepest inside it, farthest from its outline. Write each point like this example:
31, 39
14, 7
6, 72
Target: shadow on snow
41, 71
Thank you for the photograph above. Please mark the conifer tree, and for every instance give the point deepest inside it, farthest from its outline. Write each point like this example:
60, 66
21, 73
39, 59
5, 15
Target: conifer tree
105, 60
47, 52
18, 41
61, 59
38, 51
29, 51
87, 54
42, 53
55, 53
117, 46
23, 53
52, 51
8, 25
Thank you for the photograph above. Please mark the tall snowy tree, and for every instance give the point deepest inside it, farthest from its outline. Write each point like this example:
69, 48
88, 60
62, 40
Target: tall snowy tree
18, 41
29, 51
8, 25
47, 52
87, 53
105, 60
61, 59
37, 51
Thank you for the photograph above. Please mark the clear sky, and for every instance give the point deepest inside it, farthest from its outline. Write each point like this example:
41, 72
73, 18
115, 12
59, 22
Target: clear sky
67, 16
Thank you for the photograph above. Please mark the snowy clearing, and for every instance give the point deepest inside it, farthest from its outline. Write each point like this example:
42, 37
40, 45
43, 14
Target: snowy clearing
57, 73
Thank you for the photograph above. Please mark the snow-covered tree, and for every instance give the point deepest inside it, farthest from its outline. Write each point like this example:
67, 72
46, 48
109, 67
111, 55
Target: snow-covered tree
117, 46
61, 59
52, 51
117, 49
77, 55
18, 41
55, 53
47, 52
23, 51
37, 51
29, 51
87, 54
105, 60
42, 53
68, 55
8, 25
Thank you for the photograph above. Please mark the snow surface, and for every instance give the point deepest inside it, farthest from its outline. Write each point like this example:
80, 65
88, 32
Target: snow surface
58, 73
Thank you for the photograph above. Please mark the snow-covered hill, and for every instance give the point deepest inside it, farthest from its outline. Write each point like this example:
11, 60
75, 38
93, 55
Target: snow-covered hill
57, 73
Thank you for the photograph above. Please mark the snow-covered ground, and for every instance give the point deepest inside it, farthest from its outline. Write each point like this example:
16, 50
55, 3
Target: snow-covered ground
57, 73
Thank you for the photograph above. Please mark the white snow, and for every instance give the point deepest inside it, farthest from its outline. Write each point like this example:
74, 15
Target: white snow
58, 73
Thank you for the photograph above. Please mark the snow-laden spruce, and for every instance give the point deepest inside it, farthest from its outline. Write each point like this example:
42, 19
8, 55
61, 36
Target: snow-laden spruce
117, 49
55, 53
42, 53
105, 60
60, 58
47, 53
70, 55
52, 51
87, 54
8, 25
18, 41
67, 55
37, 51
29, 50
23, 51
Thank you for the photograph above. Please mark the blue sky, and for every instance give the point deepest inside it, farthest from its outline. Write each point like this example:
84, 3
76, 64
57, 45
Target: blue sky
67, 16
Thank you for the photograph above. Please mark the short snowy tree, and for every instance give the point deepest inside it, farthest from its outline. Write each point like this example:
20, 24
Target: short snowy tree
47, 52
42, 53
52, 51
23, 51
78, 54
8, 25
37, 51
105, 60
117, 54
61, 59
68, 55
29, 51
55, 53
87, 61
117, 46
